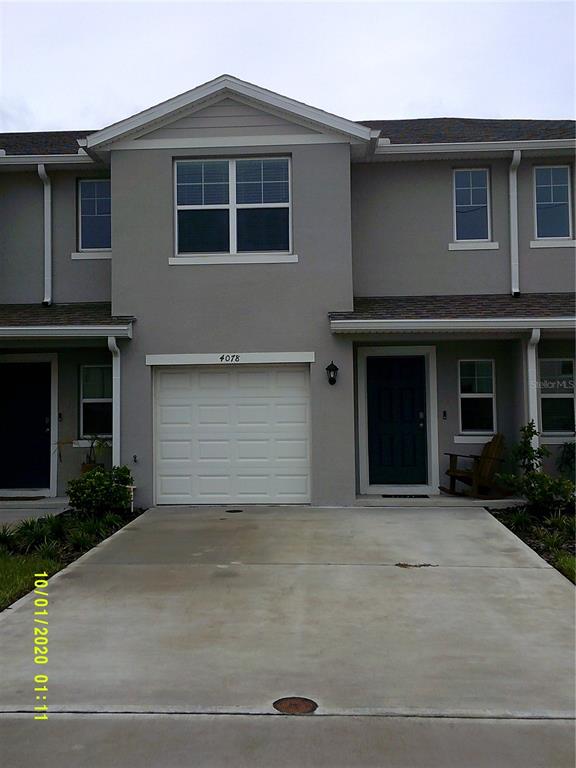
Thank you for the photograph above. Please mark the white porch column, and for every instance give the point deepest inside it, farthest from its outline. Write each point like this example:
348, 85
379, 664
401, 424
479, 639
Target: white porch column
532, 377
113, 347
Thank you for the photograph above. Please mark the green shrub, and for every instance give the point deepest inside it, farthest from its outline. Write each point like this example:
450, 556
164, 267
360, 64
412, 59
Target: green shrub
566, 460
528, 458
100, 491
29, 535
546, 495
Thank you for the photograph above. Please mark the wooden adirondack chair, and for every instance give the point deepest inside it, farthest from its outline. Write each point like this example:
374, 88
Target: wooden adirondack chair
479, 476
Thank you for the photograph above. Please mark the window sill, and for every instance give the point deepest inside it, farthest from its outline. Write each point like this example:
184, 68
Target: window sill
557, 439
472, 439
474, 245
84, 255
240, 258
560, 243
82, 443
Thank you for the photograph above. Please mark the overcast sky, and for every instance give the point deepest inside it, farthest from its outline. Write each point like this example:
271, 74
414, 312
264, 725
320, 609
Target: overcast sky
82, 65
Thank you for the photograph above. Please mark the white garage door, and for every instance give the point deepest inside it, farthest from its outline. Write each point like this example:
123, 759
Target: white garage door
232, 434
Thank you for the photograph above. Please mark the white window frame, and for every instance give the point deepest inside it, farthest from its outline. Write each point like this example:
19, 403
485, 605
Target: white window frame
232, 206
488, 205
556, 395
83, 399
483, 395
79, 206
559, 238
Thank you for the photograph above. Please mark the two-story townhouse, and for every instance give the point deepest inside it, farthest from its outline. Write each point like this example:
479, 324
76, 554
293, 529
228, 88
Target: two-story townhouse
256, 301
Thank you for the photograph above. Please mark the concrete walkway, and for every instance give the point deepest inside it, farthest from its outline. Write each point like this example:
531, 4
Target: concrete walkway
170, 641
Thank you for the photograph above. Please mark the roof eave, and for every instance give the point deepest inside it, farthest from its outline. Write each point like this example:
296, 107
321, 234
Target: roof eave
449, 324
122, 331
385, 148
227, 84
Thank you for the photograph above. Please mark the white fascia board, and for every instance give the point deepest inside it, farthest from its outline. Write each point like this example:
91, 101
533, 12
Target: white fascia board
82, 159
231, 358
66, 331
226, 84
385, 148
495, 324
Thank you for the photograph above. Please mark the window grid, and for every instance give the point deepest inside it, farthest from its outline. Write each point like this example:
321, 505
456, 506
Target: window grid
87, 400
471, 205
232, 206
97, 212
477, 396
556, 395
552, 185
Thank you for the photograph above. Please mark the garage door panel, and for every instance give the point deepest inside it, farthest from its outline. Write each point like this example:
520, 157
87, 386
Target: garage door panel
238, 433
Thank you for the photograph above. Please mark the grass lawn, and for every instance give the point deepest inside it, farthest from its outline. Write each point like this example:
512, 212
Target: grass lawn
17, 574
552, 537
49, 544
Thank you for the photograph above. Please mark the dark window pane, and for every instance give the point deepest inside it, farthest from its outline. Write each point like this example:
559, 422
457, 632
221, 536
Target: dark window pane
560, 176
275, 170
553, 220
558, 414
477, 414
189, 194
96, 381
97, 419
248, 170
263, 229
249, 192
479, 178
472, 223
215, 194
543, 175
216, 171
462, 179
189, 173
276, 192
87, 190
203, 231
96, 232
543, 194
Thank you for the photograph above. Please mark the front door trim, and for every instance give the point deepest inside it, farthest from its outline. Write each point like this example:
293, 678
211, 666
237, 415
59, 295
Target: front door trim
52, 358
429, 354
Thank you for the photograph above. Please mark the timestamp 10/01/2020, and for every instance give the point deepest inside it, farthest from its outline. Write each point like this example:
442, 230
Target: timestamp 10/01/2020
41, 644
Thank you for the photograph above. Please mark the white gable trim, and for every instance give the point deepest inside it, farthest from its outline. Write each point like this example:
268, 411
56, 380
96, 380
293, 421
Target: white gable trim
228, 85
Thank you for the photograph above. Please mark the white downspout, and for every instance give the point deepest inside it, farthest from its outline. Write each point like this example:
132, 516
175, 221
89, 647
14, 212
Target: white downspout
113, 347
47, 234
532, 375
513, 205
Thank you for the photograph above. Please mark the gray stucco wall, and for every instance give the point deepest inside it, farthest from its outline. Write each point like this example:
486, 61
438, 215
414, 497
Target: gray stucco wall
237, 308
402, 223
542, 270
22, 242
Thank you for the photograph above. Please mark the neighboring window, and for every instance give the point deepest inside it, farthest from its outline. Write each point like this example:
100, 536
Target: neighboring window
552, 195
233, 206
557, 395
477, 396
94, 214
96, 400
471, 204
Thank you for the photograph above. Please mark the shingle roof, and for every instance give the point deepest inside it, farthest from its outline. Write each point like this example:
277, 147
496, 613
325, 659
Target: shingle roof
419, 131
30, 315
461, 129
460, 307
42, 142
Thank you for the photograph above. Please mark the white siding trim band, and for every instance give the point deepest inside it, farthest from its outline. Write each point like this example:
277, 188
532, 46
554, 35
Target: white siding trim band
231, 358
505, 323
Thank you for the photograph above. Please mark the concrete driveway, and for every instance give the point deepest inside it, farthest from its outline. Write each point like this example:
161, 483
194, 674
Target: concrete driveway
170, 641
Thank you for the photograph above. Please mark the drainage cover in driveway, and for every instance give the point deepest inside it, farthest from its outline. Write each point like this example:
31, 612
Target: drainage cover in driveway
295, 705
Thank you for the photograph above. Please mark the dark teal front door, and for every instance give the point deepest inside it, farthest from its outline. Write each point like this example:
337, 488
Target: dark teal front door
397, 442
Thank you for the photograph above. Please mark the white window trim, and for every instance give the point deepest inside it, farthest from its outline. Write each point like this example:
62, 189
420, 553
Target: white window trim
556, 396
83, 400
233, 256
547, 242
52, 358
429, 353
91, 255
87, 251
474, 395
478, 242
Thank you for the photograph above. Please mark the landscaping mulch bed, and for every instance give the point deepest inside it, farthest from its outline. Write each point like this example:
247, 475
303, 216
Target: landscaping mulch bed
552, 537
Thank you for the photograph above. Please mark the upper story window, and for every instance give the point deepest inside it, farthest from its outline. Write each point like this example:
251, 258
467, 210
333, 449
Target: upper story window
477, 396
471, 204
94, 206
552, 200
557, 395
233, 206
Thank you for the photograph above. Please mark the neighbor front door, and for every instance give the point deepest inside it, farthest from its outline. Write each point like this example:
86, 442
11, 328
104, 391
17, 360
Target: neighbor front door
25, 425
397, 421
